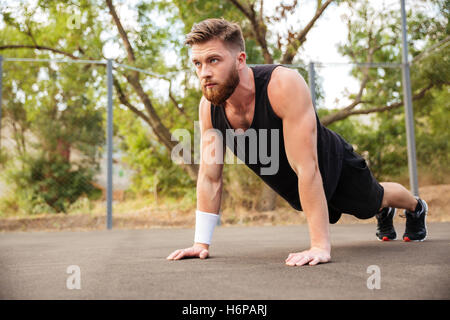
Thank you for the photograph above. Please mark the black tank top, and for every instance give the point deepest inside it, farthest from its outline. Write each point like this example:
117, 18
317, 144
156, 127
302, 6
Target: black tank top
285, 182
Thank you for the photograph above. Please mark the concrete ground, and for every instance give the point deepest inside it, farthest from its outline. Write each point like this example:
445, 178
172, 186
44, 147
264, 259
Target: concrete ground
245, 263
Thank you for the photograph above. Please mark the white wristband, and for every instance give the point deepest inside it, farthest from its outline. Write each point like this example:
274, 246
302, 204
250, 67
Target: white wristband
204, 226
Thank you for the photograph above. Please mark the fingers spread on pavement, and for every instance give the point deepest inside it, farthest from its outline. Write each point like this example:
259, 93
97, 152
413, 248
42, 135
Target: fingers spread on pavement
173, 254
180, 255
314, 261
303, 260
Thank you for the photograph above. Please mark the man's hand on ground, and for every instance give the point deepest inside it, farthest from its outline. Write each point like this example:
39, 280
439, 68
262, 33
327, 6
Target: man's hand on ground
312, 256
196, 251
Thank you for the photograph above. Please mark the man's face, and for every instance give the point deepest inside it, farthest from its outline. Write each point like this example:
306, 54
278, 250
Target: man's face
216, 69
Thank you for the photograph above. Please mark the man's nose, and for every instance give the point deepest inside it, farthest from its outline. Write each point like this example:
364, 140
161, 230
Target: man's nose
205, 72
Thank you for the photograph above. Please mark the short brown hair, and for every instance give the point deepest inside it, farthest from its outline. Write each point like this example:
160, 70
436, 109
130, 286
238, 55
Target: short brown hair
229, 32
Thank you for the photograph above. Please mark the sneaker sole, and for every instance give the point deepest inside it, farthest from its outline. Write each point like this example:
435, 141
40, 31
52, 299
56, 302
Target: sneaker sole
409, 240
425, 221
386, 239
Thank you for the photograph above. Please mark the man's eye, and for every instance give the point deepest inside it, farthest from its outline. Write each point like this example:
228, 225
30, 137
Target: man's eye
214, 60
196, 64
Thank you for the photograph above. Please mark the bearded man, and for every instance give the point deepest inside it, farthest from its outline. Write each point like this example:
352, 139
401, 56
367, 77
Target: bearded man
319, 173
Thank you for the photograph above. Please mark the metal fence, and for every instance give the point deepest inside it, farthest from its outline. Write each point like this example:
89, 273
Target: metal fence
109, 64
312, 69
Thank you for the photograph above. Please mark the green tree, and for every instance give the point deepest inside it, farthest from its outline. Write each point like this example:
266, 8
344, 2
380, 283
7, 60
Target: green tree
374, 35
146, 34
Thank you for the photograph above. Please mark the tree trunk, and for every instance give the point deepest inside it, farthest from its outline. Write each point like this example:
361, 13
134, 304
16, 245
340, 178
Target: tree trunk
63, 149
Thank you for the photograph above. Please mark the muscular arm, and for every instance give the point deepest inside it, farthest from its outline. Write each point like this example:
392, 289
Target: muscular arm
290, 99
209, 183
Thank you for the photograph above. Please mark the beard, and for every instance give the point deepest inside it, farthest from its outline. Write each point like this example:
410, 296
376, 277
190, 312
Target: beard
218, 94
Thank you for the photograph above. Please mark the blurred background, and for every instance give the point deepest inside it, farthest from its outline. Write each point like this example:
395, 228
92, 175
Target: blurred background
54, 100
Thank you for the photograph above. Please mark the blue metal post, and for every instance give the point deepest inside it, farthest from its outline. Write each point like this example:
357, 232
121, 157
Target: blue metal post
409, 118
109, 143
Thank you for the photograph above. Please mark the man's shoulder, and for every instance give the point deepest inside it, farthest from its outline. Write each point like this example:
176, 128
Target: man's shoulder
285, 85
282, 75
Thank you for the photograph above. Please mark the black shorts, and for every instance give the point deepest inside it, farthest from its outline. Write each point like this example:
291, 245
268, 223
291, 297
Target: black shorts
358, 192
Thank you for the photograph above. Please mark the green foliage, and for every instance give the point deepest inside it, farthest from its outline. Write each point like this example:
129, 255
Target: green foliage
155, 171
385, 139
433, 135
239, 185
53, 110
40, 185
61, 185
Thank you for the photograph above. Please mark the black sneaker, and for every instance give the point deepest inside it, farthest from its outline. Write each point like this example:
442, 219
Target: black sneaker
385, 227
416, 229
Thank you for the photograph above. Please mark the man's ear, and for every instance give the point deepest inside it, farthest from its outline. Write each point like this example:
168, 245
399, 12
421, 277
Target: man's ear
241, 58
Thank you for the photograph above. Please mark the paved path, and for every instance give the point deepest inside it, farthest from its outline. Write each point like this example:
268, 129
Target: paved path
246, 263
